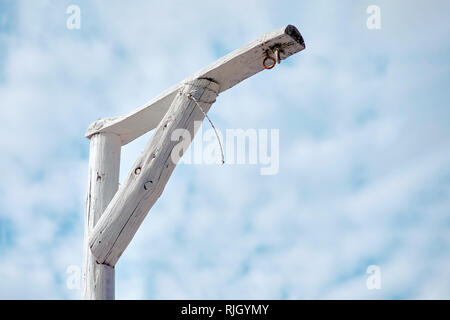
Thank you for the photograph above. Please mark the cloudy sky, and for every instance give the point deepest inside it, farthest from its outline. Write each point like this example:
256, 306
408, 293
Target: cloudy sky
364, 173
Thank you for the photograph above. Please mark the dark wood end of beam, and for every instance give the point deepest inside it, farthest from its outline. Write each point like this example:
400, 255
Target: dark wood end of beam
293, 32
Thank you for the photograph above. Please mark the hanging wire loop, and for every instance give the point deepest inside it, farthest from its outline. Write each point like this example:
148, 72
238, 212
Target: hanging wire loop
197, 102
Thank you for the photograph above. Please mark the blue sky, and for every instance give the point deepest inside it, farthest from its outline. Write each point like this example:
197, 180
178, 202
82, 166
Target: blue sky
364, 149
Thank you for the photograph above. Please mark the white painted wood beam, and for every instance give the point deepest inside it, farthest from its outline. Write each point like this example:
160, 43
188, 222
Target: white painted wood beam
227, 72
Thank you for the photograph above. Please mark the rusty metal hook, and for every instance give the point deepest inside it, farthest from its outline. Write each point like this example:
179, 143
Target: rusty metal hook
277, 55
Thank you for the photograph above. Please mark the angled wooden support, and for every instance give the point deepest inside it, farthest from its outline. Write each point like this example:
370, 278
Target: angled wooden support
150, 173
104, 163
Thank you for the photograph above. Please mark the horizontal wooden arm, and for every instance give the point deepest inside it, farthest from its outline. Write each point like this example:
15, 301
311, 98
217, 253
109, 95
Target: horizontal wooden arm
227, 72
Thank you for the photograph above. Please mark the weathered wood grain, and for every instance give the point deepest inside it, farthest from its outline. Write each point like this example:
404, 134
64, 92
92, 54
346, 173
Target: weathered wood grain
149, 174
104, 161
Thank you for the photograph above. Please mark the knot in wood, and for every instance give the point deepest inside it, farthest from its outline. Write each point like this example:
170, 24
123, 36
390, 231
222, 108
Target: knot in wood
148, 185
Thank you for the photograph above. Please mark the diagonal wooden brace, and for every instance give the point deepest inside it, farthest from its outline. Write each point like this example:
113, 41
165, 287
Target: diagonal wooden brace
150, 173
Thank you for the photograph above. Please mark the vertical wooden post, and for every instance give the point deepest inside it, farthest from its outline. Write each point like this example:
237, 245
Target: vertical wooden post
104, 165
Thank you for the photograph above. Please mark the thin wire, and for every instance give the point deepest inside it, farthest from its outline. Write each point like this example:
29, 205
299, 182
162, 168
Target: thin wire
197, 102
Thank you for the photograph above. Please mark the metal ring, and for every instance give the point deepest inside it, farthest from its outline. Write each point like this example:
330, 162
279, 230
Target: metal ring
270, 66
